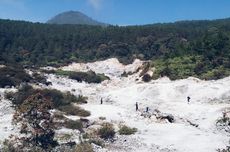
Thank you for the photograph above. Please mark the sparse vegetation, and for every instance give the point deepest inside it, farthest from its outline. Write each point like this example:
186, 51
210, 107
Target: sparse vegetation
90, 76
40, 78
97, 142
71, 124
13, 76
227, 149
36, 122
223, 123
8, 146
93, 138
106, 131
102, 118
60, 101
74, 110
126, 74
125, 130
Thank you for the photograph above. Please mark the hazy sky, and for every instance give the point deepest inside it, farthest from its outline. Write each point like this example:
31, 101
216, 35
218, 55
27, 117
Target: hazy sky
121, 12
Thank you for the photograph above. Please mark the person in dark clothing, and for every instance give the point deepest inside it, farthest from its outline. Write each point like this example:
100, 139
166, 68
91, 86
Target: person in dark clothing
224, 115
188, 99
136, 106
101, 101
147, 109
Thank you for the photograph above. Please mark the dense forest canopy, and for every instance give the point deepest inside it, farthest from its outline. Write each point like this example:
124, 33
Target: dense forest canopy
208, 42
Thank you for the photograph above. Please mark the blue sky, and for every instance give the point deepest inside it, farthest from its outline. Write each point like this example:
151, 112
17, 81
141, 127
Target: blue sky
120, 12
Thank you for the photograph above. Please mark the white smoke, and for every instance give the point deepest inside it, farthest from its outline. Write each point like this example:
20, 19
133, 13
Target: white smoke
96, 4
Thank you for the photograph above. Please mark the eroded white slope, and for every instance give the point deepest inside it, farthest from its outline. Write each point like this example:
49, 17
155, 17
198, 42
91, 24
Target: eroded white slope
6, 115
208, 100
111, 67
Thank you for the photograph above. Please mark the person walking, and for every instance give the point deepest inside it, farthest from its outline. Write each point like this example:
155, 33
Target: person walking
188, 99
136, 106
147, 109
101, 101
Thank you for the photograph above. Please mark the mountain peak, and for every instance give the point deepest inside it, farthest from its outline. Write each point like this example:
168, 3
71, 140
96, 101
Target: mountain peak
74, 17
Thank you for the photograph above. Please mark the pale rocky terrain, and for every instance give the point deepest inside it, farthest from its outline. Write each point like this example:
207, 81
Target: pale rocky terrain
194, 129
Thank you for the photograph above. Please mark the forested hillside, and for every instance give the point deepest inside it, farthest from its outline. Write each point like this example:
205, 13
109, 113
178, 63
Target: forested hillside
199, 48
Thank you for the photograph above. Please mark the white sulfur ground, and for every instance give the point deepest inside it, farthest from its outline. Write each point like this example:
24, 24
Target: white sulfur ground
208, 100
6, 115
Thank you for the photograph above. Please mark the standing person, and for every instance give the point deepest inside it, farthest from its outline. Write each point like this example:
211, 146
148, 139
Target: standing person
147, 109
101, 101
224, 115
188, 99
136, 106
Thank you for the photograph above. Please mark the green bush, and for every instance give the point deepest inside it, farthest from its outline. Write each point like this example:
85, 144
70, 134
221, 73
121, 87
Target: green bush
62, 72
74, 110
186, 66
106, 131
60, 101
90, 76
215, 74
71, 124
125, 130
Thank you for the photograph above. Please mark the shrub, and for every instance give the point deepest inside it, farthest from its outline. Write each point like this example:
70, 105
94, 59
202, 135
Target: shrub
62, 72
79, 99
126, 74
185, 66
40, 78
58, 115
102, 118
56, 96
61, 101
74, 110
146, 78
9, 95
106, 131
90, 76
8, 146
223, 123
6, 81
36, 122
227, 149
97, 142
84, 147
215, 74
145, 68
13, 76
85, 136
19, 97
125, 130
71, 124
